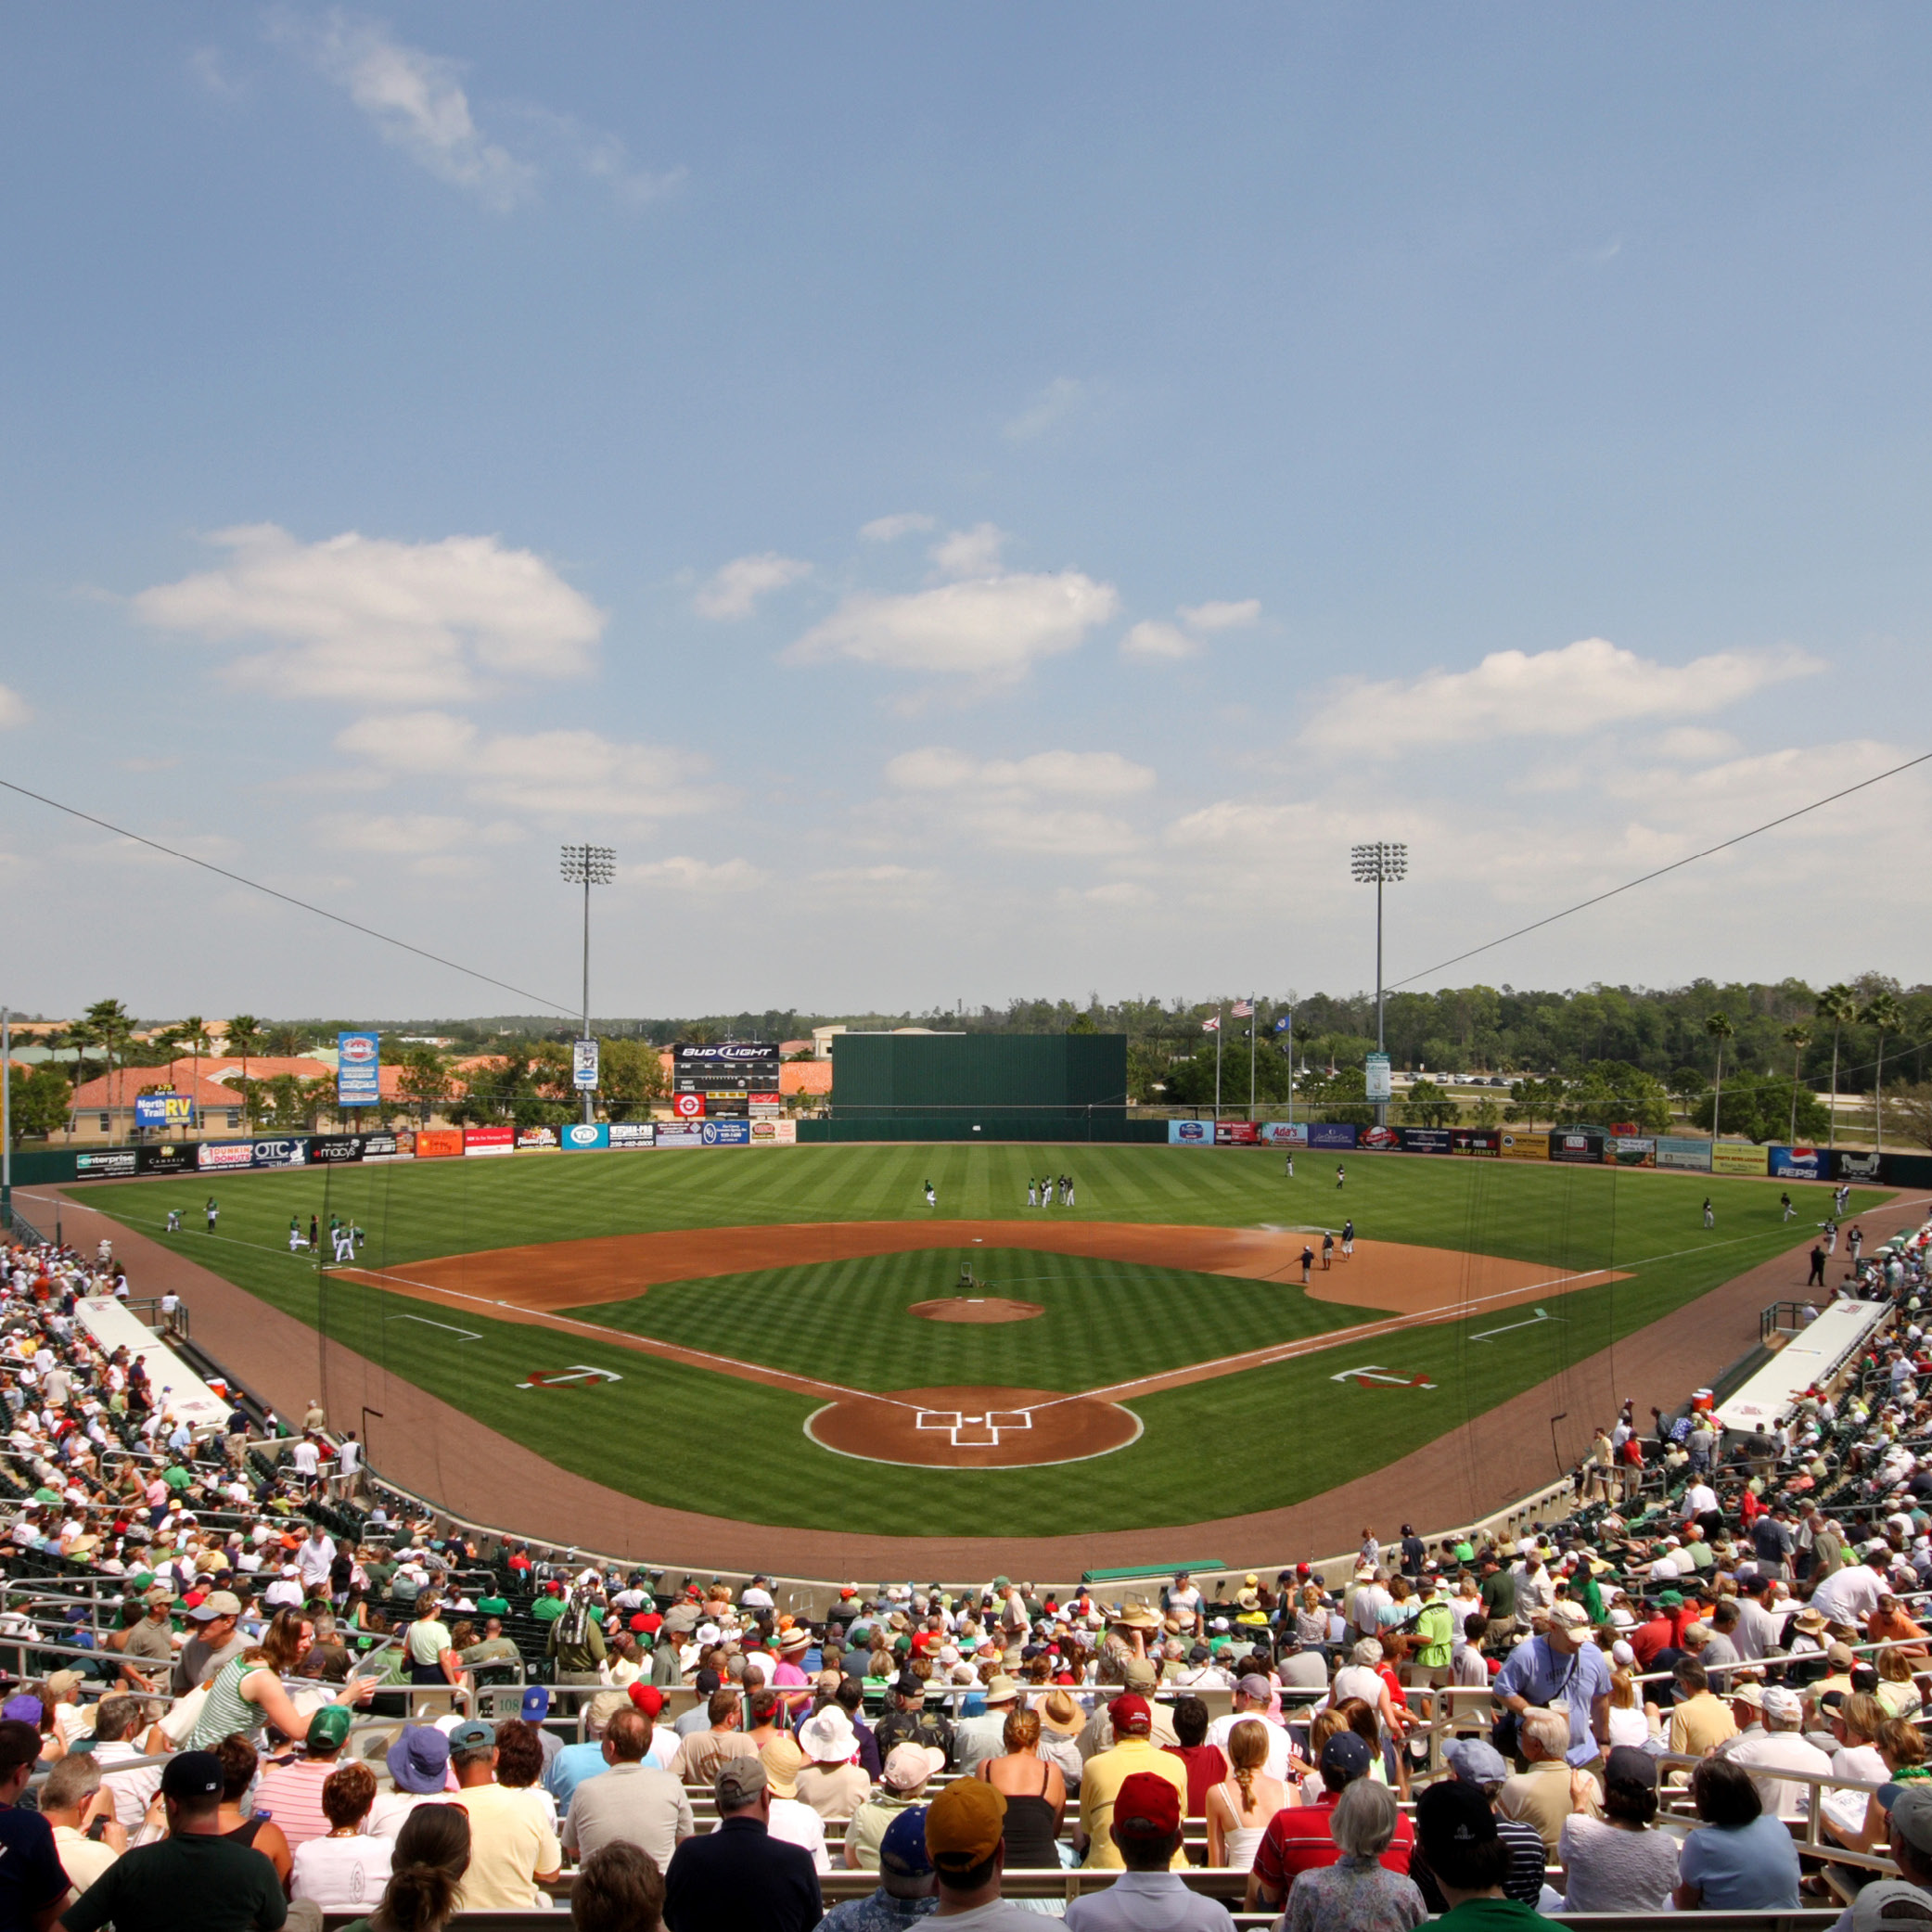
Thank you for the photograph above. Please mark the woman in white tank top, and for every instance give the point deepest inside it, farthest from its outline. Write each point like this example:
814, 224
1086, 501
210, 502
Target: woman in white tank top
1243, 1804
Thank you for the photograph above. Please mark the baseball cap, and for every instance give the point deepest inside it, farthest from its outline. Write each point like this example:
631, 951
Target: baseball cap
1785, 1705
24, 1709
1630, 1765
739, 1779
1139, 1675
1911, 1810
908, 1766
648, 1698
1571, 1616
903, 1849
217, 1603
328, 1728
418, 1759
62, 1682
1130, 1716
192, 1774
1346, 1755
1891, 1901
1454, 1822
1148, 1807
965, 1823
1255, 1688
907, 1685
473, 1735
537, 1702
1476, 1762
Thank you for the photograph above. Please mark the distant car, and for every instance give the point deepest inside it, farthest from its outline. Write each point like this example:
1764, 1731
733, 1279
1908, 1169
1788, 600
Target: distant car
1496, 1080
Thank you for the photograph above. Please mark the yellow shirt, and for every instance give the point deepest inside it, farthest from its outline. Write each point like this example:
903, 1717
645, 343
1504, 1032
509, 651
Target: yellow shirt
508, 1847
1699, 1724
1100, 1784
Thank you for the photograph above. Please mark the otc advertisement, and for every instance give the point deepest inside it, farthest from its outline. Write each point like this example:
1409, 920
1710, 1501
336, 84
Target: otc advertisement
489, 1140
633, 1133
1577, 1144
1797, 1163
167, 1157
1523, 1147
222, 1155
1736, 1158
291, 1150
109, 1164
358, 1069
1190, 1134
582, 1138
1681, 1151
727, 1133
163, 1111
1284, 1133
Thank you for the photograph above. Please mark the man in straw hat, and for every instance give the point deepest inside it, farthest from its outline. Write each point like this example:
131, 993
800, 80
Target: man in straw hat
1129, 1629
977, 1739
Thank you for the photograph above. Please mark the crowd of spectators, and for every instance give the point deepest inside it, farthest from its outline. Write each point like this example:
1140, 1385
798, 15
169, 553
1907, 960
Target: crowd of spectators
245, 1684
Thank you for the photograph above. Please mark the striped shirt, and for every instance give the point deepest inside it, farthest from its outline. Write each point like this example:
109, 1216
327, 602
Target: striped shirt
292, 1795
226, 1710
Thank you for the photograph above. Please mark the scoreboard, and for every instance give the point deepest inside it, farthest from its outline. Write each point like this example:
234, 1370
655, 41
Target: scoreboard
724, 1080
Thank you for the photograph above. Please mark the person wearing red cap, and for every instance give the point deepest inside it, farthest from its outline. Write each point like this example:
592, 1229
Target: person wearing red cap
1145, 1832
1134, 1752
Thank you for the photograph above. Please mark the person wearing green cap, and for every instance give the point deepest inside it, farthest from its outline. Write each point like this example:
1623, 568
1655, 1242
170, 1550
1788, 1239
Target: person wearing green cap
290, 1790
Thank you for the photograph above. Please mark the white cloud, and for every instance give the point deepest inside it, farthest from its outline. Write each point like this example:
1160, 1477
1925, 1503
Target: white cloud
683, 875
573, 774
1076, 774
991, 628
575, 144
368, 621
410, 835
888, 529
1691, 744
1071, 833
1568, 693
415, 102
733, 591
13, 708
1122, 892
1152, 638
211, 70
1221, 615
1051, 406
969, 553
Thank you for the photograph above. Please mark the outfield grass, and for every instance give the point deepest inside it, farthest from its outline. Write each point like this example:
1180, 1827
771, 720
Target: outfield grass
1238, 1443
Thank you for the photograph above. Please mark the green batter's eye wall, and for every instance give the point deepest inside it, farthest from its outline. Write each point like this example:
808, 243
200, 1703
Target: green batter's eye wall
987, 1086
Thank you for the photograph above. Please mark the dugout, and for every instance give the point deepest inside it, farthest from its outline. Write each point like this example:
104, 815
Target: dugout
979, 1086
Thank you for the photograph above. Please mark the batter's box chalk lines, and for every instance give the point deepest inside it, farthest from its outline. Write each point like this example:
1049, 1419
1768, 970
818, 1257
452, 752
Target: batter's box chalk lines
973, 1431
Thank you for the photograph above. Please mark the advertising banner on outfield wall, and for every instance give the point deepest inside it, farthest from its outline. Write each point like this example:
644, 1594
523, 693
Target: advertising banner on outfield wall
1379, 1140
109, 1164
1284, 1133
537, 1140
1684, 1153
1190, 1134
680, 1134
1331, 1133
1631, 1150
177, 1157
1577, 1144
489, 1140
388, 1146
774, 1134
438, 1143
224, 1155
1523, 1147
582, 1138
1424, 1140
1737, 1158
1797, 1163
1484, 1142
1234, 1133
727, 1133
327, 1149
283, 1150
1854, 1167
632, 1134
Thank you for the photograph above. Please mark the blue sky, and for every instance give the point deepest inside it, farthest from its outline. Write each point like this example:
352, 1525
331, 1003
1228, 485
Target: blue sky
966, 503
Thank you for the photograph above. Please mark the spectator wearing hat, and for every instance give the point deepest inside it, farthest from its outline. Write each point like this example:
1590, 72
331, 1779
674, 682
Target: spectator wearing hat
1061, 1723
512, 1853
1142, 1680
1908, 1837
195, 1880
216, 1638
1134, 1750
1357, 1890
1563, 1668
740, 1875
1780, 1747
907, 1883
911, 1721
418, 1767
789, 1818
1458, 1845
978, 1738
635, 1802
1253, 1695
148, 1647
1620, 1861
1145, 1829
290, 1790
830, 1781
965, 1838
909, 1768
1478, 1762
1740, 1859
1299, 1838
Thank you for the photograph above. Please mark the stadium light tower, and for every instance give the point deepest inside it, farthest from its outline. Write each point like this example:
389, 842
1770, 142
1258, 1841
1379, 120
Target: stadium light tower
588, 865
1379, 865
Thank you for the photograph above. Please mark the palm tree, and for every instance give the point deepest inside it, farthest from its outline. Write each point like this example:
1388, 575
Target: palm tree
194, 1030
1796, 1038
245, 1038
1885, 1012
1839, 1004
1720, 1029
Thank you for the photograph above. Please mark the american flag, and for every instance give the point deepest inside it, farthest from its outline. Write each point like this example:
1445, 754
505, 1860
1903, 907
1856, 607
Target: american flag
1211, 1025
1243, 1009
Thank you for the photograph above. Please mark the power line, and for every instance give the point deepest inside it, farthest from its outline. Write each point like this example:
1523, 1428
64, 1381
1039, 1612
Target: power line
288, 898
1675, 866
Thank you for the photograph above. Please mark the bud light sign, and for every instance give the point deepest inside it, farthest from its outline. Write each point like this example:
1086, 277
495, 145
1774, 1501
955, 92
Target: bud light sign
358, 1069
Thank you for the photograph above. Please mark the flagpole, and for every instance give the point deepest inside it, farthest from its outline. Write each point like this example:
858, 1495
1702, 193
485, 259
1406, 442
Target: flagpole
1218, 1016
1251, 1017
1291, 1066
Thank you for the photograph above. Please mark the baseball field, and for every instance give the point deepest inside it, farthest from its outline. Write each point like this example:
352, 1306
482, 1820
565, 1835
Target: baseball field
793, 1336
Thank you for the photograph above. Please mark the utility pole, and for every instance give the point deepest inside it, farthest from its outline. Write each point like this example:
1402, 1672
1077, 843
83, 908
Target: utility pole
1379, 865
589, 866
6, 1122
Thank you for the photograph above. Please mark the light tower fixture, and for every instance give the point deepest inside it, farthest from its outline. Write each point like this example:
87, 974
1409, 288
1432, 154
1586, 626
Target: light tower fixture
1382, 863
588, 865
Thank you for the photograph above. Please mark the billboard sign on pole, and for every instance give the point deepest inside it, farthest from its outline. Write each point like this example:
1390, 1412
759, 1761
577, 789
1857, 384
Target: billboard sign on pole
358, 1069
583, 1065
1376, 1069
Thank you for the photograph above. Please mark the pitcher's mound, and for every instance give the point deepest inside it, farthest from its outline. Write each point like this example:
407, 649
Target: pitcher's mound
973, 1428
976, 1308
